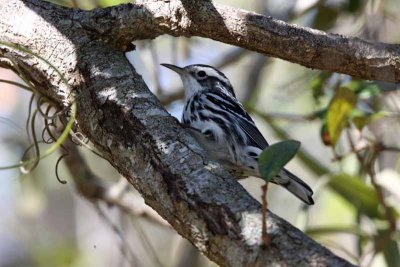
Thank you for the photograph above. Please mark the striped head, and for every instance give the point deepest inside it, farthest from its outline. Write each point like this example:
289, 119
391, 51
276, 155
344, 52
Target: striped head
201, 77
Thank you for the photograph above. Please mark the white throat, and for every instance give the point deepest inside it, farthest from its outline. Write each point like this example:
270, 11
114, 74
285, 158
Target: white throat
190, 85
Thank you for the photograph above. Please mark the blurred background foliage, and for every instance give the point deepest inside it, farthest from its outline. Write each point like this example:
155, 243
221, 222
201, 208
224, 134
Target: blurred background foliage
349, 130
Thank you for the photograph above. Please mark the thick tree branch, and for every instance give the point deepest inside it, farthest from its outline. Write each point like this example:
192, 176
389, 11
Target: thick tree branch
308, 47
92, 188
139, 138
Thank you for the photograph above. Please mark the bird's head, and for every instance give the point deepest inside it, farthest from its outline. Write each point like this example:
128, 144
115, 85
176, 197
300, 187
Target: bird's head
201, 77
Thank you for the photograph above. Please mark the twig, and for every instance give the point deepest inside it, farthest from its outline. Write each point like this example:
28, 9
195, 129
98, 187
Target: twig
124, 247
266, 239
20, 85
292, 117
354, 230
388, 210
146, 243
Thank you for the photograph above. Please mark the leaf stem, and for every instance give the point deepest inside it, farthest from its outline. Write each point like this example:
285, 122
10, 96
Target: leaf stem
266, 239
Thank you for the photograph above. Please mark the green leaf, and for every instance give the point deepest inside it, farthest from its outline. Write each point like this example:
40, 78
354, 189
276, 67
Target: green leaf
361, 121
321, 114
390, 251
362, 197
274, 157
318, 83
338, 112
353, 85
359, 118
369, 90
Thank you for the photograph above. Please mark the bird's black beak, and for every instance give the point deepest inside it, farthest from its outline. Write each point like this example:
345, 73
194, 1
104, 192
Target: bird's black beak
177, 69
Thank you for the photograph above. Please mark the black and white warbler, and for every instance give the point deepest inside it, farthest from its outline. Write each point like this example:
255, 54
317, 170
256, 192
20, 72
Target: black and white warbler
224, 129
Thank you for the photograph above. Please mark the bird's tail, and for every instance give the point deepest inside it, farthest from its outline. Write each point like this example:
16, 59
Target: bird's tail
297, 187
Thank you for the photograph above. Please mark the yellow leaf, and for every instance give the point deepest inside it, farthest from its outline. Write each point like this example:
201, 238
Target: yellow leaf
338, 112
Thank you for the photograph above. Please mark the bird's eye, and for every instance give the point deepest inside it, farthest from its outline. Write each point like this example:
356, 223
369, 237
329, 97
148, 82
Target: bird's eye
201, 74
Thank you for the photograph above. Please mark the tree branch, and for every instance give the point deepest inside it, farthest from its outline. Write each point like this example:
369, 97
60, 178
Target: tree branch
308, 47
92, 188
138, 137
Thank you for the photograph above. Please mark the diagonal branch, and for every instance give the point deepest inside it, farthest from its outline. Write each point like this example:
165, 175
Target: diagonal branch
128, 125
90, 186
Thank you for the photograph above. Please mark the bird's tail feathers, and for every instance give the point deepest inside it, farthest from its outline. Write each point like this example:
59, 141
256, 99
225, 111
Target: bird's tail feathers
297, 187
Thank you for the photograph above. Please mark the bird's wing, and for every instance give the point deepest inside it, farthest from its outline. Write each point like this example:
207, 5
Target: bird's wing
253, 133
239, 115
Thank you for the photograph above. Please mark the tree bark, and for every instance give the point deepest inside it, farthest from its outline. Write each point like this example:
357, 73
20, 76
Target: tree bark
127, 123
308, 47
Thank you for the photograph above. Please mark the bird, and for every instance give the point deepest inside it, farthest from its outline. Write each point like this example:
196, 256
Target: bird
223, 128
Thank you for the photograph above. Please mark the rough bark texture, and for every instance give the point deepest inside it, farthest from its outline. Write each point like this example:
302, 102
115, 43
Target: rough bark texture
308, 47
142, 141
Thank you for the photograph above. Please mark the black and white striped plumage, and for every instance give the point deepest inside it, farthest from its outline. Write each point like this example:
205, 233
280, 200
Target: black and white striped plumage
224, 129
